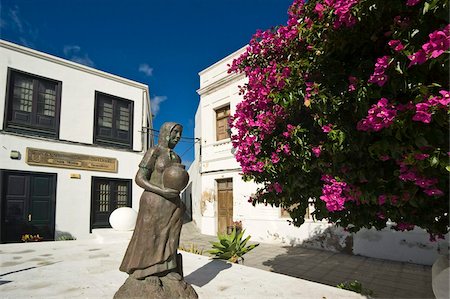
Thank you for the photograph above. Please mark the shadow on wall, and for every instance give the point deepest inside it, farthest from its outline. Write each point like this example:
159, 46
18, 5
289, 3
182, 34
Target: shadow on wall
330, 238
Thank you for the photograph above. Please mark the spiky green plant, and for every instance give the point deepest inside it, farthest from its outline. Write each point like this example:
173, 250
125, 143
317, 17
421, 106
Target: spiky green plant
192, 249
231, 247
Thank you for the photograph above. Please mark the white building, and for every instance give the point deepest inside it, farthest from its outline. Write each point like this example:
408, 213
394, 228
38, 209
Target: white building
71, 138
220, 196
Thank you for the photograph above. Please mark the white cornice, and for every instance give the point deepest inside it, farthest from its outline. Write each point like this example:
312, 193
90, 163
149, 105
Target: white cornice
219, 83
70, 64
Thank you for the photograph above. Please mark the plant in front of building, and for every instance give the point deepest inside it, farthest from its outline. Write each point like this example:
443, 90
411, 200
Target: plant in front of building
231, 247
192, 249
355, 286
65, 237
348, 104
31, 238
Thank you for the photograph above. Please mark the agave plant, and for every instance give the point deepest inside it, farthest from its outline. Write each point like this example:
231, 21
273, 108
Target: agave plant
231, 247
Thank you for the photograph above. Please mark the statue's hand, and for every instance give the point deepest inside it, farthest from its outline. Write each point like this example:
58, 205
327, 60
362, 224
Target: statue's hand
171, 193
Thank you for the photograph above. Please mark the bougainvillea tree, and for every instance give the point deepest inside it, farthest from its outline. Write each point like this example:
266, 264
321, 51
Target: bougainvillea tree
348, 105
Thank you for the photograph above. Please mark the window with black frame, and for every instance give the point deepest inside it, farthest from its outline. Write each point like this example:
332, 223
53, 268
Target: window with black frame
107, 195
113, 121
33, 104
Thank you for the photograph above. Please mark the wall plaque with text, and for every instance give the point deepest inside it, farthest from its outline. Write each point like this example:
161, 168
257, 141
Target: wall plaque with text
43, 157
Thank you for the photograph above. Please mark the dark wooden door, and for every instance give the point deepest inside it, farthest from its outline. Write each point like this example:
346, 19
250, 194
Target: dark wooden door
108, 195
28, 205
225, 204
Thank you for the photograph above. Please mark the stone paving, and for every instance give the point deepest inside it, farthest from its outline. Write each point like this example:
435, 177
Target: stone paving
387, 279
90, 269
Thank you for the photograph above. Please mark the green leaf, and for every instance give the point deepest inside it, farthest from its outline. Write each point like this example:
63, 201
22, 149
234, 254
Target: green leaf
421, 141
426, 7
434, 161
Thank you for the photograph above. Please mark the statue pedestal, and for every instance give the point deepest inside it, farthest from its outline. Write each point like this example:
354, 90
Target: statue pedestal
165, 287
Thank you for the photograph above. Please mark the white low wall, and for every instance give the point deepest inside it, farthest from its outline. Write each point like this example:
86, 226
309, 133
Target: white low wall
413, 246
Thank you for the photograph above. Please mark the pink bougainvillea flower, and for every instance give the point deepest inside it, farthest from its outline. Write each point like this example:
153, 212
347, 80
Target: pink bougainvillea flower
396, 45
384, 158
421, 156
379, 77
381, 115
319, 9
275, 158
277, 187
445, 100
316, 151
404, 226
417, 58
381, 215
412, 2
433, 192
327, 128
425, 183
353, 81
286, 149
438, 44
422, 116
381, 199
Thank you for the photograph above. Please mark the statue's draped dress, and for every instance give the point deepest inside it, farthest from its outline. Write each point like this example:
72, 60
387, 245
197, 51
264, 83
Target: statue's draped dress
153, 246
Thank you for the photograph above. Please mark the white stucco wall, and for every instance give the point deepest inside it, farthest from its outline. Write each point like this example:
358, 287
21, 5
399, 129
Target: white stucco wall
73, 196
265, 224
79, 84
78, 91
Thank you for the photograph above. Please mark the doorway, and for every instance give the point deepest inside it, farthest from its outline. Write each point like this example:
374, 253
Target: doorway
225, 204
28, 205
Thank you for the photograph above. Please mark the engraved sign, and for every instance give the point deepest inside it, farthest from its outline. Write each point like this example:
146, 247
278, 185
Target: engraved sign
43, 157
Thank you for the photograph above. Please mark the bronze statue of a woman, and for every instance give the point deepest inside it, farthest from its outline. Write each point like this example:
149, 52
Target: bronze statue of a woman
152, 252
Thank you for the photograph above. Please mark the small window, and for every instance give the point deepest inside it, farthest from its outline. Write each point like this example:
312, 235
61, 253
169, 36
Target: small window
33, 104
113, 121
222, 129
108, 195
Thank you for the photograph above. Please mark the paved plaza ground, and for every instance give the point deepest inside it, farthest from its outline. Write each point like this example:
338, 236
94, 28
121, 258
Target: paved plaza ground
388, 279
89, 269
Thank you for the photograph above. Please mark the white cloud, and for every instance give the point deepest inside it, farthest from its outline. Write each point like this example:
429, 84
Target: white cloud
14, 15
83, 60
155, 103
74, 53
146, 69
13, 20
72, 49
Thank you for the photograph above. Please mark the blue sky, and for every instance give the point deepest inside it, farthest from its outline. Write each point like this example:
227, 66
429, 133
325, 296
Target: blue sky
161, 43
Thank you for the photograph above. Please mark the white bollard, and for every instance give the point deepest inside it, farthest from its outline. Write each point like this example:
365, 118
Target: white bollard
123, 219
440, 277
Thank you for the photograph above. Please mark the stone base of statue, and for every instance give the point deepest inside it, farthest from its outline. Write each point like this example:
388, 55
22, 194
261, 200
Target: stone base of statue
169, 286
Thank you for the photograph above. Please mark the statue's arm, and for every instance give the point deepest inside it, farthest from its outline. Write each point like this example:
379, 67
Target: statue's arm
143, 176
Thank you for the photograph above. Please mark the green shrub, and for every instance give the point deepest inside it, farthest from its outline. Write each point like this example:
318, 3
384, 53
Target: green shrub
231, 247
192, 249
65, 237
355, 286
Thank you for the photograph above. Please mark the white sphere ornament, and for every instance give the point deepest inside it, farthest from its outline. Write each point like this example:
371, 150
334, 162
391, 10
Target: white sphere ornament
123, 219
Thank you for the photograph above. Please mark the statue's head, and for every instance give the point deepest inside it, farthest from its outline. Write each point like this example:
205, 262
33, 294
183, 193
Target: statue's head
170, 134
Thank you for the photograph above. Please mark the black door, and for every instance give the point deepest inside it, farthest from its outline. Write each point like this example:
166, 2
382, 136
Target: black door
28, 205
107, 195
